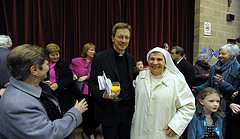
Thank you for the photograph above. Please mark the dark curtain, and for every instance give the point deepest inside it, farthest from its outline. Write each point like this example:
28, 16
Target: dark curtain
73, 23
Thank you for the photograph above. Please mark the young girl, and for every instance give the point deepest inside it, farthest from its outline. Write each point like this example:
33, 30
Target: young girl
207, 120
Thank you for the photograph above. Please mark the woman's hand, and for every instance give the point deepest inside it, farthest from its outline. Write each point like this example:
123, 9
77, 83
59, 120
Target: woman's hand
235, 108
49, 83
75, 77
54, 86
5, 86
234, 94
2, 91
218, 78
83, 78
169, 132
82, 106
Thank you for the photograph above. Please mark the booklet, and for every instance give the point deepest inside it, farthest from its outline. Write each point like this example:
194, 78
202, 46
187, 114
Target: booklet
105, 83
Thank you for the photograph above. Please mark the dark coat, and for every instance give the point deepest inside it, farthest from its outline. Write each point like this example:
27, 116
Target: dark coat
238, 58
64, 78
200, 71
106, 111
187, 70
233, 124
5, 72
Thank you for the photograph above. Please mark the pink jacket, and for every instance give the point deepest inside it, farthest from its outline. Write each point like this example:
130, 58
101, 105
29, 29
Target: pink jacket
79, 67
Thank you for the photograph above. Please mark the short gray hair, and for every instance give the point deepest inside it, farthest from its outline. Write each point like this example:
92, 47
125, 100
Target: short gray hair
232, 49
200, 57
5, 41
21, 58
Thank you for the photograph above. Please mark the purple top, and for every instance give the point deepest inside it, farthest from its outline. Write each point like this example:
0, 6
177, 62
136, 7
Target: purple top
201, 70
79, 67
52, 74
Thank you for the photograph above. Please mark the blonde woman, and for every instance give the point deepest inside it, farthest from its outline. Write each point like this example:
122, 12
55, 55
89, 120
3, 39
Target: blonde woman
79, 67
59, 77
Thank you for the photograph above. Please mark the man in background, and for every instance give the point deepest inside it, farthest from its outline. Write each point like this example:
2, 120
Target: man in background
186, 68
183, 65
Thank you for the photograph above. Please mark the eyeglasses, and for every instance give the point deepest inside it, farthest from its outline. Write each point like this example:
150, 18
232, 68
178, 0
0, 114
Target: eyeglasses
123, 37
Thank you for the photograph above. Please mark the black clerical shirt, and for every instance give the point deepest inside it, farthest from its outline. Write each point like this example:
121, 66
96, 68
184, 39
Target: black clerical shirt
122, 65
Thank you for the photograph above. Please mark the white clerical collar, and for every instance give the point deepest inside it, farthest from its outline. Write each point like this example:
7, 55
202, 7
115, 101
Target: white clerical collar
121, 54
179, 60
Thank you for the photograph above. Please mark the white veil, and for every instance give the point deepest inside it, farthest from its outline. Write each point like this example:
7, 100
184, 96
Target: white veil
169, 63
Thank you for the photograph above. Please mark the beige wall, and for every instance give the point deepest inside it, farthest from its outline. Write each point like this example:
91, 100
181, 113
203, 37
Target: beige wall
215, 11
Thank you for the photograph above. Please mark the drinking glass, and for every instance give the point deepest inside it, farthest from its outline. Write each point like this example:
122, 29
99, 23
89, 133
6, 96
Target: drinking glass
115, 87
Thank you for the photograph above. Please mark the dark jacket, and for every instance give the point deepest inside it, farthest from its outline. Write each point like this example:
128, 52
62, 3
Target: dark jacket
64, 78
201, 70
233, 124
238, 58
106, 111
5, 72
187, 70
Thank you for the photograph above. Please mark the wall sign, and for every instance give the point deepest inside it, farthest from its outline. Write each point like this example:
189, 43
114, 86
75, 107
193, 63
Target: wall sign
207, 28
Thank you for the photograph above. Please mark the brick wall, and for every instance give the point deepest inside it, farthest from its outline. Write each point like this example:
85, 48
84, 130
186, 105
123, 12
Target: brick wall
215, 12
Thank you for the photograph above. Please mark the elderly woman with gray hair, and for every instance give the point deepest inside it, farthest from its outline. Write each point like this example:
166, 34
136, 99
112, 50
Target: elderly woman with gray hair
28, 109
201, 69
5, 45
164, 102
224, 76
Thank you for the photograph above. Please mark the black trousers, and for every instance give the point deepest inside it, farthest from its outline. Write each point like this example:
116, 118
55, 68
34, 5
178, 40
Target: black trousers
120, 130
89, 124
232, 126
